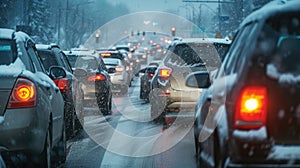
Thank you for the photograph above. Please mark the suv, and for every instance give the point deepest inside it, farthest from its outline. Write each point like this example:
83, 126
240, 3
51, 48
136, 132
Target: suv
32, 107
169, 92
252, 114
70, 87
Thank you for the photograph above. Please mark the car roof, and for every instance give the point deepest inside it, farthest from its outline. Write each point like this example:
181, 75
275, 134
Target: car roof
202, 40
46, 46
272, 8
6, 33
9, 34
82, 52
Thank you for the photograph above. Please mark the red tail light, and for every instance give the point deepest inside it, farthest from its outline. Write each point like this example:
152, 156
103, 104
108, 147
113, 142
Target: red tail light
119, 69
96, 77
23, 94
251, 109
150, 75
63, 85
164, 73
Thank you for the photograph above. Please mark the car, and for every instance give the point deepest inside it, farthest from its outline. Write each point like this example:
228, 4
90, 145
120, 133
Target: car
142, 56
145, 81
70, 87
92, 73
32, 108
251, 116
117, 68
169, 95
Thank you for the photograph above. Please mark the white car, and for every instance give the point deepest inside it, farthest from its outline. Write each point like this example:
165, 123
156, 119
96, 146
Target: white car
120, 78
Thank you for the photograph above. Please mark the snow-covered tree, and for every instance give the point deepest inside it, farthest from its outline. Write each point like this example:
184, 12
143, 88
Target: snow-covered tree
39, 16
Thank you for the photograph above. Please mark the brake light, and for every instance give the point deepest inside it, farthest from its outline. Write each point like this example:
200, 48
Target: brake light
23, 94
165, 73
119, 69
96, 77
150, 75
63, 85
251, 109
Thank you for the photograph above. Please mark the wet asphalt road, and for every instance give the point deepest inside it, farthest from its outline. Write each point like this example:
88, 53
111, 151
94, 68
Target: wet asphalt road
129, 139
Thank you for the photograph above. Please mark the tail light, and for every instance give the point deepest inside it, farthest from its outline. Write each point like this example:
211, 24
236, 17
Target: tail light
63, 85
150, 75
164, 73
23, 95
96, 77
251, 109
119, 69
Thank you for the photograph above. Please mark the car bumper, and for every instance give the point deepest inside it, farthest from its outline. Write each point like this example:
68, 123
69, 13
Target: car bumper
118, 79
177, 99
21, 130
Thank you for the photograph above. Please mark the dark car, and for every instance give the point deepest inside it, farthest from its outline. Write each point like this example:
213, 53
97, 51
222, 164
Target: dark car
147, 74
32, 108
251, 117
169, 94
97, 86
70, 87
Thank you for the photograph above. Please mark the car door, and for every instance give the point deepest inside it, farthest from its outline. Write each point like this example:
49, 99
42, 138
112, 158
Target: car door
54, 94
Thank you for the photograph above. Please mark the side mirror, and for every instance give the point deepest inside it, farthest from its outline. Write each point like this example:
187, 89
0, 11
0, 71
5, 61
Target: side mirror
56, 72
198, 80
80, 73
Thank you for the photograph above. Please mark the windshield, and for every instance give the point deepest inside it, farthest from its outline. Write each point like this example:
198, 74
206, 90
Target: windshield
111, 61
87, 62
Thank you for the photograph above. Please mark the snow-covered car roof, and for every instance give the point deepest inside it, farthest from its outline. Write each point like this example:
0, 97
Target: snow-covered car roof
203, 40
272, 8
6, 33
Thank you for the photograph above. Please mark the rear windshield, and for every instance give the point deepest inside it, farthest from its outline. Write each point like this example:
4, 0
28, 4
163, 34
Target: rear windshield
111, 61
7, 52
48, 59
280, 42
199, 54
87, 62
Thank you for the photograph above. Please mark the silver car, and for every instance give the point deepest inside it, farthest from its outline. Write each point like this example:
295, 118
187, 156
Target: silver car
32, 107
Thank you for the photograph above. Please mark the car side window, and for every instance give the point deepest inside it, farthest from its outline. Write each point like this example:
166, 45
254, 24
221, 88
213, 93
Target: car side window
241, 41
65, 61
33, 55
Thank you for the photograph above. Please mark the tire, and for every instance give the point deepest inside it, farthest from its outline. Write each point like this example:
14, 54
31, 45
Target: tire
44, 159
219, 160
60, 149
106, 110
70, 118
158, 106
79, 122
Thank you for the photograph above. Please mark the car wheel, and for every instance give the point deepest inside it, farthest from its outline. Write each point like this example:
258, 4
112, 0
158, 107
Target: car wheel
70, 128
79, 118
158, 104
60, 149
106, 107
219, 160
44, 159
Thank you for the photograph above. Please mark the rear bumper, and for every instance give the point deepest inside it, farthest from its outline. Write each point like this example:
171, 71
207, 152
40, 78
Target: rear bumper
23, 129
179, 99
